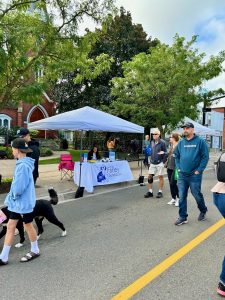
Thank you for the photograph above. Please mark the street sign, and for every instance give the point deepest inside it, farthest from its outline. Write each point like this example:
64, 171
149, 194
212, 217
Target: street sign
2, 140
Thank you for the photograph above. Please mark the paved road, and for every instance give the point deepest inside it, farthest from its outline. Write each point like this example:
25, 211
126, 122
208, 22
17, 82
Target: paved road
113, 239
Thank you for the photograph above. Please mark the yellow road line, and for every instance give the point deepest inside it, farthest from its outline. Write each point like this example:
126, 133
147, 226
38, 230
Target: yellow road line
144, 280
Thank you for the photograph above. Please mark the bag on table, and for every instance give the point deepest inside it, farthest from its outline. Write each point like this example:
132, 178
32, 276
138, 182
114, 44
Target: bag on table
2, 216
220, 168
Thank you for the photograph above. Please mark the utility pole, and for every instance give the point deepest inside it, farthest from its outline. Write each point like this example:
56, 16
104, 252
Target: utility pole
205, 109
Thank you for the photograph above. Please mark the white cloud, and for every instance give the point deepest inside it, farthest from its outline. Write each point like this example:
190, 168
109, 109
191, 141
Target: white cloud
164, 18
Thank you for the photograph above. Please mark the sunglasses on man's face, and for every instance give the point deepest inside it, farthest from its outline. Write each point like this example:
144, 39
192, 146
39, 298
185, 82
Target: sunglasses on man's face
155, 134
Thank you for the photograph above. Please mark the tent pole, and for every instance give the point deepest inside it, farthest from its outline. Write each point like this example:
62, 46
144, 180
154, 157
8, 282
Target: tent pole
141, 177
142, 143
80, 190
81, 147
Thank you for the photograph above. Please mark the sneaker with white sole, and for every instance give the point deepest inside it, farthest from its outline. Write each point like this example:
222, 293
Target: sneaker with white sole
171, 202
221, 289
177, 202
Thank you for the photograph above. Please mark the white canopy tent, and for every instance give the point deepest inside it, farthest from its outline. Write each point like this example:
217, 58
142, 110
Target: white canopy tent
86, 119
199, 129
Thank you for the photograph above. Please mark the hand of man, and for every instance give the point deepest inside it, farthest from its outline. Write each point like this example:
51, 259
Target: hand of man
161, 152
197, 172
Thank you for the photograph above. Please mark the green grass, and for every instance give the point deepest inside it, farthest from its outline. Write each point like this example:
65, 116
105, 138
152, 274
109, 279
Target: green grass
75, 154
49, 161
76, 157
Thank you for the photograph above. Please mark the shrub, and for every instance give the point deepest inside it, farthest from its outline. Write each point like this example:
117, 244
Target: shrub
33, 133
64, 144
45, 151
49, 143
8, 151
7, 180
5, 185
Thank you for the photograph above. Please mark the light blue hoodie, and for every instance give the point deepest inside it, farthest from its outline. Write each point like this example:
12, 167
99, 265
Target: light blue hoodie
21, 198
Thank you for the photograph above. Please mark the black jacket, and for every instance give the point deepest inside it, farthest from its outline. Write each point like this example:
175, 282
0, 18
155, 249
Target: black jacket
90, 155
156, 148
34, 145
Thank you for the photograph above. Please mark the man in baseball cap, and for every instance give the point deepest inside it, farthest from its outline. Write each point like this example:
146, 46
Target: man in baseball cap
188, 125
22, 132
32, 144
191, 157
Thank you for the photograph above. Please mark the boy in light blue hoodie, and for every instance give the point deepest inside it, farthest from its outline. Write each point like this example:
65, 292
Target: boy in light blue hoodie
21, 201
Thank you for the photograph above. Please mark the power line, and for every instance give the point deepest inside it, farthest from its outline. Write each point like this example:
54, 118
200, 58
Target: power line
217, 98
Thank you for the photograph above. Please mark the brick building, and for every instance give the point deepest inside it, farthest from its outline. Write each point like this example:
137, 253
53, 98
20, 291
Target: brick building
26, 113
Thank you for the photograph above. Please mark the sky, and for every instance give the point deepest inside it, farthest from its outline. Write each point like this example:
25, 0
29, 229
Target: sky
162, 19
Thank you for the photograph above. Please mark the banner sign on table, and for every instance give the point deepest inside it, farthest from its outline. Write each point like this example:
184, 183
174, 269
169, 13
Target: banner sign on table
99, 173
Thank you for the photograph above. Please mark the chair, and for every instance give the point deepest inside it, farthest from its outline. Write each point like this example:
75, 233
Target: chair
66, 166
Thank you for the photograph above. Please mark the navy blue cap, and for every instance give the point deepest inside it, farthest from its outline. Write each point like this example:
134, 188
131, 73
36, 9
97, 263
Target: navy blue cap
22, 132
188, 125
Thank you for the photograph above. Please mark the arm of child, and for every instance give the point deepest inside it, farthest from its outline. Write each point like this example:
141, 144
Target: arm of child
20, 181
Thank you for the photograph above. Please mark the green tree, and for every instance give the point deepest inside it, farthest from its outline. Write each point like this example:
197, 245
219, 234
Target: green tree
161, 88
40, 36
121, 40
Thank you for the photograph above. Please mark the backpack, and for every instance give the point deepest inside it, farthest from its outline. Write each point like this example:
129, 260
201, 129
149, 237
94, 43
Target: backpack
148, 151
220, 168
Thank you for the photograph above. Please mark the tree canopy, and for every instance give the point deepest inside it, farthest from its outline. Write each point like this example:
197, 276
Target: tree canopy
39, 43
120, 39
160, 88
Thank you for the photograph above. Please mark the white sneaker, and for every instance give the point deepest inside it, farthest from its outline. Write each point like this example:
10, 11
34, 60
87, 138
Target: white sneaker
177, 202
64, 233
16, 232
171, 202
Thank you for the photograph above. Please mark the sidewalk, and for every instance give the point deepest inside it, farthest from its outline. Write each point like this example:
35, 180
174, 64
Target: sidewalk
49, 176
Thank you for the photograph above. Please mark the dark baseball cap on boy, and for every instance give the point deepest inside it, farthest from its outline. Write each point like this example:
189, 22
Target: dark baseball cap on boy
188, 125
22, 132
20, 143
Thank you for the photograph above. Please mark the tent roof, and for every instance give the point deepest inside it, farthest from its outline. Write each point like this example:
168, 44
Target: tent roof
86, 118
200, 129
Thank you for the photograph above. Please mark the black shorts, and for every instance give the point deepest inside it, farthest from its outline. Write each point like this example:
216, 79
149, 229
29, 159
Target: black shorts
26, 218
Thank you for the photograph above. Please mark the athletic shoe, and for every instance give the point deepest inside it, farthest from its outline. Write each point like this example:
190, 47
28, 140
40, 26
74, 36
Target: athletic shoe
159, 195
177, 202
171, 202
181, 221
148, 195
221, 289
3, 263
201, 216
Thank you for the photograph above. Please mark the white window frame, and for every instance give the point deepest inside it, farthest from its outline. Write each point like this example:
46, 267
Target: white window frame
4, 117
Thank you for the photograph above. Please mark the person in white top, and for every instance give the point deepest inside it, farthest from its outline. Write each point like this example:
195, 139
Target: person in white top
93, 154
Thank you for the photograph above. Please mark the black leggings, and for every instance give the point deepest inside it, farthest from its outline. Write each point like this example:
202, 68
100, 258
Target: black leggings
173, 184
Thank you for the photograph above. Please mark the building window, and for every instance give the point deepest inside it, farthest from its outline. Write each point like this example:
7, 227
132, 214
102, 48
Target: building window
209, 119
5, 121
